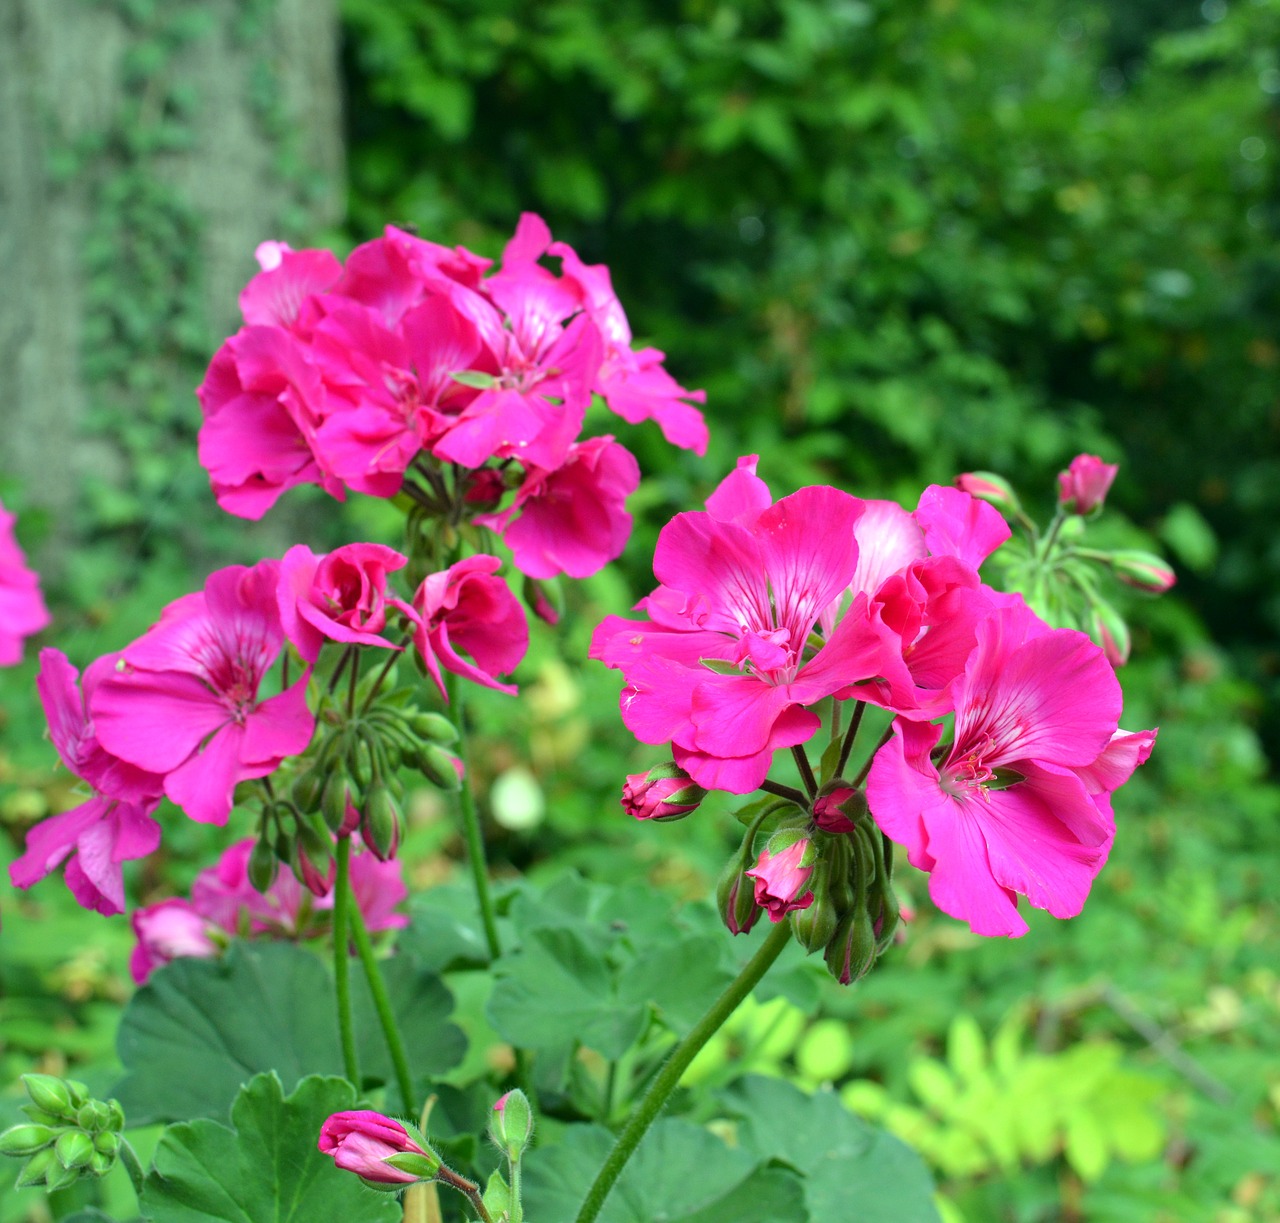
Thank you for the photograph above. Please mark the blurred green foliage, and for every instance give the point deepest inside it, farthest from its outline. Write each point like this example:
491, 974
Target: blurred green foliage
894, 239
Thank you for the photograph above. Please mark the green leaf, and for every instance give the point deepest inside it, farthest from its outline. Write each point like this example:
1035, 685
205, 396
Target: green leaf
474, 378
680, 1174
266, 1166
853, 1170
200, 1029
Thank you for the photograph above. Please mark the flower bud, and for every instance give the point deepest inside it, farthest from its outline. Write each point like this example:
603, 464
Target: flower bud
51, 1094
100, 1164
852, 949
25, 1139
511, 1123
74, 1148
1143, 570
434, 727
1107, 628
58, 1176
838, 807
987, 486
665, 793
262, 866
93, 1115
438, 766
815, 926
1083, 487
360, 762
378, 1149
107, 1143
37, 1168
333, 800
380, 824
545, 598
307, 788
782, 873
736, 898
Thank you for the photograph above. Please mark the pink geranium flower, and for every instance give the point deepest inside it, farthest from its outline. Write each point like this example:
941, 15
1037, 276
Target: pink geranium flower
185, 700
114, 825
22, 609
728, 663
571, 520
782, 878
362, 1142
1017, 805
165, 932
465, 607
341, 596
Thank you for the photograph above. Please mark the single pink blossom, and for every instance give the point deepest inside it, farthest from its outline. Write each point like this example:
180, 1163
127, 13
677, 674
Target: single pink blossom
782, 879
957, 524
166, 931
467, 608
571, 520
184, 701
1014, 806
340, 596
22, 609
663, 793
362, 1141
115, 825
1083, 487
729, 662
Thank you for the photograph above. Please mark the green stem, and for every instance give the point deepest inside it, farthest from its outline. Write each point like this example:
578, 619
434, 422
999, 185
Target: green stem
133, 1166
342, 961
806, 771
790, 793
382, 1004
392, 659
847, 746
471, 823
469, 1189
866, 768
669, 1076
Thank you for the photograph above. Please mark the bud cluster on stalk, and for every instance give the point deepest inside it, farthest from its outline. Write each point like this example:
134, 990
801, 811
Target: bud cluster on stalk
68, 1134
827, 870
351, 778
1061, 579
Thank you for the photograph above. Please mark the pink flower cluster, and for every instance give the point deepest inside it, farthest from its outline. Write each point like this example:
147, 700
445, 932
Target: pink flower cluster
187, 710
22, 609
224, 903
764, 609
354, 376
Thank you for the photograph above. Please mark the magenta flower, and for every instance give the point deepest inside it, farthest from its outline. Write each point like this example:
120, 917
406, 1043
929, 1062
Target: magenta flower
1019, 804
22, 609
571, 520
664, 793
283, 293
363, 1142
184, 701
1083, 487
166, 931
112, 827
782, 878
341, 596
465, 607
729, 662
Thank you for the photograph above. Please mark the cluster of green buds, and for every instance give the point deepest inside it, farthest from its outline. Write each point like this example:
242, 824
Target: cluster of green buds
351, 777
827, 869
1060, 578
68, 1134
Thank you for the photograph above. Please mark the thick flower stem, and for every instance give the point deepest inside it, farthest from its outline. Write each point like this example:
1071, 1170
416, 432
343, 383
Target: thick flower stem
471, 824
669, 1076
382, 1004
850, 735
342, 961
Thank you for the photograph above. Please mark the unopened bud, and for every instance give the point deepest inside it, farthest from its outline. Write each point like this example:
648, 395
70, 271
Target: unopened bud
782, 872
380, 824
815, 926
987, 486
74, 1148
434, 727
511, 1123
438, 766
838, 807
262, 866
736, 898
360, 763
37, 1168
100, 1164
51, 1094
107, 1143
307, 788
59, 1176
333, 800
852, 949
545, 598
1143, 571
665, 793
1083, 487
22, 1140
1108, 629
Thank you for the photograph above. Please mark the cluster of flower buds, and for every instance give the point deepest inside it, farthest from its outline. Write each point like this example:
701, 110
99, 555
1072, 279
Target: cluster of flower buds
1058, 574
827, 870
68, 1134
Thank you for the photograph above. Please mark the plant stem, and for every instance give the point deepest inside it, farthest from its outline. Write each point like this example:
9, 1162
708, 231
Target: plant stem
394, 657
866, 768
790, 793
469, 1189
850, 735
382, 1004
342, 961
806, 771
471, 823
669, 1076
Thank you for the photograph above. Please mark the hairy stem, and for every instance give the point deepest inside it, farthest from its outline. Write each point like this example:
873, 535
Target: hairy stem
646, 1112
342, 961
382, 1004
